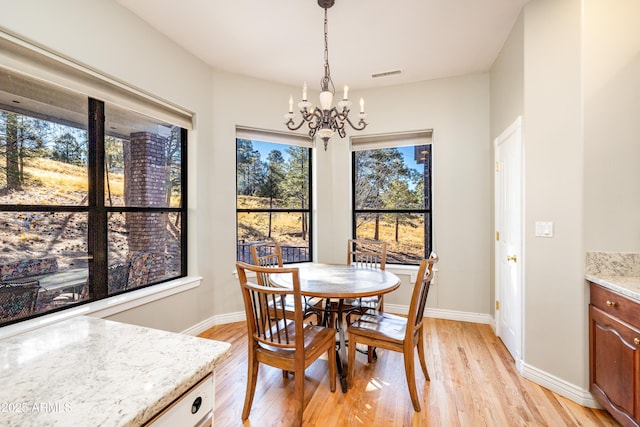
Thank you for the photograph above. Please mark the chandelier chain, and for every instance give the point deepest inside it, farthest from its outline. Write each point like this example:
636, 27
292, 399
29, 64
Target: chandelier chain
326, 80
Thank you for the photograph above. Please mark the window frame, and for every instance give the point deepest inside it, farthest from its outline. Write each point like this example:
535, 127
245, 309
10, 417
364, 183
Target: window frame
376, 142
284, 139
98, 90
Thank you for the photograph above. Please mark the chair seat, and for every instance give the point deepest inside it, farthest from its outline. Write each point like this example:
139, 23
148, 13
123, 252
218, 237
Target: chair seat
308, 306
380, 326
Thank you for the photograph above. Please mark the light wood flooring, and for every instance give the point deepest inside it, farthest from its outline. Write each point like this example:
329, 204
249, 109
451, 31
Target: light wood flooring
473, 383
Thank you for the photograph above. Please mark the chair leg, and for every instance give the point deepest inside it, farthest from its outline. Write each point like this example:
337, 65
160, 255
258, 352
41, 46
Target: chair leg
411, 377
351, 360
370, 351
299, 396
423, 362
332, 368
252, 377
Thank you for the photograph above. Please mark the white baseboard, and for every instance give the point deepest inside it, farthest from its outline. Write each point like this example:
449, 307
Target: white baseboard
437, 313
557, 385
219, 319
239, 316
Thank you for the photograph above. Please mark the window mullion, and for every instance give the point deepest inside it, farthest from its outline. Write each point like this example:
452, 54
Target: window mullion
184, 202
97, 214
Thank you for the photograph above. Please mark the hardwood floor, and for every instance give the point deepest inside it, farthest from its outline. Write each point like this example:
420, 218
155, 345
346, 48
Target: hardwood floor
473, 383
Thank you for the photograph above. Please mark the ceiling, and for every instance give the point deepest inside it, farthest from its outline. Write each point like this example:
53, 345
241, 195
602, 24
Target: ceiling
282, 40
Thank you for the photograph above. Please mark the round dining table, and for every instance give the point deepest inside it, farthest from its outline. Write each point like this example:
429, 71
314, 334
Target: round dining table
339, 282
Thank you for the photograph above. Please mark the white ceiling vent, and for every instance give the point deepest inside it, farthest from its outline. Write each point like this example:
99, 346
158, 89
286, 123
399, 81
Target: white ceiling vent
386, 74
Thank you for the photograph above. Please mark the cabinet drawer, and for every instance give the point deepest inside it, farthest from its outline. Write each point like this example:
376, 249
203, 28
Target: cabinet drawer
194, 408
616, 305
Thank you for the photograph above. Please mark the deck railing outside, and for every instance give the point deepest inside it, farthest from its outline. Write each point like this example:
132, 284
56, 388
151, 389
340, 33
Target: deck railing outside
290, 254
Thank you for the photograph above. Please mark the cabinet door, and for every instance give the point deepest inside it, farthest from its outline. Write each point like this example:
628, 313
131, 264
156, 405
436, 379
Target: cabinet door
615, 365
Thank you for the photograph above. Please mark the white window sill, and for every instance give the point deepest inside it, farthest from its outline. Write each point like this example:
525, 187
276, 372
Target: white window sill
409, 270
106, 307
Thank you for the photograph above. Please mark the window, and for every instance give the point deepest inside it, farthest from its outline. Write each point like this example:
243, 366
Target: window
273, 193
92, 198
391, 190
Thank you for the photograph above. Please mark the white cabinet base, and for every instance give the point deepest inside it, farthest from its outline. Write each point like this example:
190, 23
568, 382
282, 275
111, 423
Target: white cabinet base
194, 408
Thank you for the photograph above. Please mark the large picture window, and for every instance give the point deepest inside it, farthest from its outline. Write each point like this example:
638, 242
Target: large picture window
392, 194
92, 198
273, 189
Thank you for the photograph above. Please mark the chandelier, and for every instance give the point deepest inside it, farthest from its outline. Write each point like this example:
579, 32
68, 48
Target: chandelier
326, 120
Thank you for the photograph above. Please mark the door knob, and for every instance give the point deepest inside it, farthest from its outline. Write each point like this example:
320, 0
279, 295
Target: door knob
512, 258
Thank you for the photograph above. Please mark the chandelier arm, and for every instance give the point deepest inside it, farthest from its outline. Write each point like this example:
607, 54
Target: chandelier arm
291, 125
361, 124
333, 114
315, 119
344, 115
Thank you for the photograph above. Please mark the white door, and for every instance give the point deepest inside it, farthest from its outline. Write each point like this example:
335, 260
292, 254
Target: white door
509, 238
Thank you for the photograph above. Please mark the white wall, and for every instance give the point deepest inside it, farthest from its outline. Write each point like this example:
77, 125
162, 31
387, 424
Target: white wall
611, 67
538, 75
555, 309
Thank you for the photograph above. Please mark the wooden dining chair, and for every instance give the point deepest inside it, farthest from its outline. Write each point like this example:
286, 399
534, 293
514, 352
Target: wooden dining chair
278, 340
368, 254
383, 330
266, 254
269, 254
363, 253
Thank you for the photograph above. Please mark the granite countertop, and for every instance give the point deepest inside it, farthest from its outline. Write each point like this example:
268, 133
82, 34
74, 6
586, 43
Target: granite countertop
616, 271
93, 372
624, 285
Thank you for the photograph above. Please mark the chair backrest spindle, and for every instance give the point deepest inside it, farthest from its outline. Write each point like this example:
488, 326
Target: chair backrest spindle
265, 308
420, 293
266, 254
367, 253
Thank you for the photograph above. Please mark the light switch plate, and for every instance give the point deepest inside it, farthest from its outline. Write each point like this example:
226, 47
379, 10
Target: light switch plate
544, 229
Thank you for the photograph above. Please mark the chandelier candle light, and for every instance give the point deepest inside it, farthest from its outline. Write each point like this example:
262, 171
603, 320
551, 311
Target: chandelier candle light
326, 120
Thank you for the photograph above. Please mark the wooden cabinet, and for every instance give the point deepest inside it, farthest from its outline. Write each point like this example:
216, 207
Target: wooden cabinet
614, 354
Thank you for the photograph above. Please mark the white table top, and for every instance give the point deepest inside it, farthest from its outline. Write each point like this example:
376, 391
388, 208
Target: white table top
93, 372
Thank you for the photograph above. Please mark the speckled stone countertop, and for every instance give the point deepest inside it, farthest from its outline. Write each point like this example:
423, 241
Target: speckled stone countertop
617, 271
93, 372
